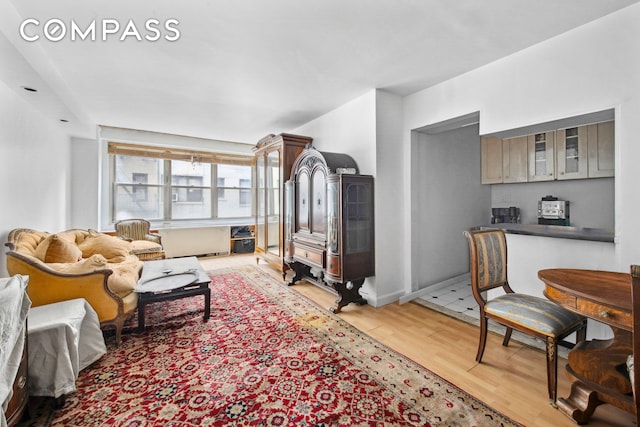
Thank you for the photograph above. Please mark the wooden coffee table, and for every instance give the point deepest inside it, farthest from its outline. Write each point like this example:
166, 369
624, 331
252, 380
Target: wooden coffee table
172, 279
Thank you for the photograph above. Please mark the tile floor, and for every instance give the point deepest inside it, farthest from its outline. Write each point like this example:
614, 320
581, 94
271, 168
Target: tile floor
457, 298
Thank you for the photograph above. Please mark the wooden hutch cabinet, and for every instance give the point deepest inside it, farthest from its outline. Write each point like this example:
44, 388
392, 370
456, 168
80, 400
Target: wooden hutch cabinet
274, 156
329, 238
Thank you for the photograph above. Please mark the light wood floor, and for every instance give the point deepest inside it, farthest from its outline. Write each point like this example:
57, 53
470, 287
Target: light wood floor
511, 379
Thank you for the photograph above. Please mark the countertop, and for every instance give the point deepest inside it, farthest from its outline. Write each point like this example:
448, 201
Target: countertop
558, 231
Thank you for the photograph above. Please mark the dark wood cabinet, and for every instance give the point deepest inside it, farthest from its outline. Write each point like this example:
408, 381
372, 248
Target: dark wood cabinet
18, 403
329, 233
274, 156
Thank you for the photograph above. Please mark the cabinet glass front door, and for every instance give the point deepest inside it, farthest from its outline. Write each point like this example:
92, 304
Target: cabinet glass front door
572, 150
261, 241
572, 153
273, 202
541, 149
358, 220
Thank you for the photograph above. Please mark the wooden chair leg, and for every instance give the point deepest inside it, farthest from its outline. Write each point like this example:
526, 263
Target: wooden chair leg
507, 337
552, 369
483, 338
581, 334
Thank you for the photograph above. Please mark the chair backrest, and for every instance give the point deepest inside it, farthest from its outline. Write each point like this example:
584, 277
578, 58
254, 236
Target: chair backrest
487, 259
634, 374
134, 229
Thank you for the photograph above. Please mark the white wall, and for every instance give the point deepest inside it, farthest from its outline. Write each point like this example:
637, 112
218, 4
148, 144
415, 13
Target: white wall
34, 176
591, 201
447, 198
388, 183
84, 183
592, 68
368, 129
349, 129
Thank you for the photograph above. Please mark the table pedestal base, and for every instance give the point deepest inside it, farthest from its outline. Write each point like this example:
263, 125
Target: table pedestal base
598, 369
580, 404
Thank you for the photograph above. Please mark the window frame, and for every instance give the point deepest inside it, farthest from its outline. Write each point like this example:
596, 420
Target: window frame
167, 187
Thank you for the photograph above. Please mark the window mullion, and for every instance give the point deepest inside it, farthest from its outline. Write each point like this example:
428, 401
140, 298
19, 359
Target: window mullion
167, 190
214, 190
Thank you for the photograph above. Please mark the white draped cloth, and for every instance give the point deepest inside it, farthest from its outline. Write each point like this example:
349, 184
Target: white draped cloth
64, 338
14, 306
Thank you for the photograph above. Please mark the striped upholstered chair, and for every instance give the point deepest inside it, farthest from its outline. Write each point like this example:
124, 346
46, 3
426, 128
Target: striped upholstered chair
534, 316
146, 245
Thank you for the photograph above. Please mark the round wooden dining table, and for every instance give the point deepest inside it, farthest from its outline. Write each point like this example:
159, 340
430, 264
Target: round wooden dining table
597, 367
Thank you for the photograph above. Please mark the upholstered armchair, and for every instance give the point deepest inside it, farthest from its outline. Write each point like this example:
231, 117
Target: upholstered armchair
146, 245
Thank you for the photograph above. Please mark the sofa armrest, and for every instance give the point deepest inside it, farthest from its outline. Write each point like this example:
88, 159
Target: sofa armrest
153, 238
47, 286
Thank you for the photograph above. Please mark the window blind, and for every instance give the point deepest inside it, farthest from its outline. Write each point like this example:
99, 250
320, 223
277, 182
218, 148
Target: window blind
195, 156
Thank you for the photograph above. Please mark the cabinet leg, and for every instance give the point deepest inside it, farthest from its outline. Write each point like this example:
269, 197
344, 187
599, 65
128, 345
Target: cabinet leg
348, 292
300, 271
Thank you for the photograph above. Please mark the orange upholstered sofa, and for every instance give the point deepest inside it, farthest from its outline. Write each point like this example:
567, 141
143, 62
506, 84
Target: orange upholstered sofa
77, 264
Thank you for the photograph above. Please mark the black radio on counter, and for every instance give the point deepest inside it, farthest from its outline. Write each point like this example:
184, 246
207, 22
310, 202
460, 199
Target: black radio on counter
505, 215
552, 211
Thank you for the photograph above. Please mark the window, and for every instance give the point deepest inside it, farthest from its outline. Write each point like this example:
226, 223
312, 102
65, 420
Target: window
139, 193
245, 192
220, 188
141, 189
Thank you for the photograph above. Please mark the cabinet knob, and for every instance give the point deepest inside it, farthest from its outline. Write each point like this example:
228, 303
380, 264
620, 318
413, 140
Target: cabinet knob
604, 314
22, 381
306, 254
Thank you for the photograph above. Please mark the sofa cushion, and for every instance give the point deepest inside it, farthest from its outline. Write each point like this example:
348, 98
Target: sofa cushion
112, 248
125, 275
86, 265
145, 247
56, 248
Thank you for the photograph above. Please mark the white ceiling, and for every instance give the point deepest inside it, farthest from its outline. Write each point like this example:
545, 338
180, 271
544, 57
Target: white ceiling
244, 68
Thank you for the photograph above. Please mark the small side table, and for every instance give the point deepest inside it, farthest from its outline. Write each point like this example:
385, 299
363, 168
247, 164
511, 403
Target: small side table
64, 338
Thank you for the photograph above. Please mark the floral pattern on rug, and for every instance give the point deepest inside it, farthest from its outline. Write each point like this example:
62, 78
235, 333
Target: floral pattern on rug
266, 357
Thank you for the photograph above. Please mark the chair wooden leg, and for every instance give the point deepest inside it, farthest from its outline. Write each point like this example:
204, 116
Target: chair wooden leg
552, 369
581, 334
507, 337
483, 338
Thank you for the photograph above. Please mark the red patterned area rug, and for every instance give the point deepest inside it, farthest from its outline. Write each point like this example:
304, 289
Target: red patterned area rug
266, 357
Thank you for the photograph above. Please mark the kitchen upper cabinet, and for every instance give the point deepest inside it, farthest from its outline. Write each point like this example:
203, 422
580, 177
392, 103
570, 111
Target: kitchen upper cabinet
571, 153
542, 155
491, 156
601, 143
514, 159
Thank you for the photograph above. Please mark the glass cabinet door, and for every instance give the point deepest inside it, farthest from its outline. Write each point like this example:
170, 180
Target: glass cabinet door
357, 219
572, 153
273, 202
333, 244
541, 152
261, 241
